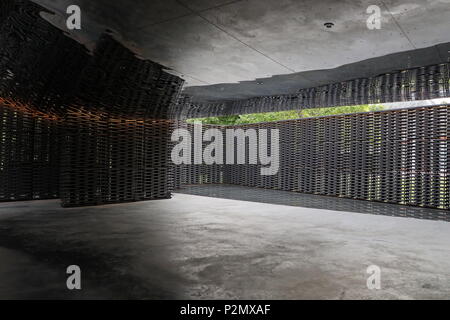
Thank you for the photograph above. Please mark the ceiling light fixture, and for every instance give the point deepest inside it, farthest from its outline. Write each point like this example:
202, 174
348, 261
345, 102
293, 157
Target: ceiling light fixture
329, 25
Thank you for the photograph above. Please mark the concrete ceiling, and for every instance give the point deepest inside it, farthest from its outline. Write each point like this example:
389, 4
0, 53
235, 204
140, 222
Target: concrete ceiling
215, 44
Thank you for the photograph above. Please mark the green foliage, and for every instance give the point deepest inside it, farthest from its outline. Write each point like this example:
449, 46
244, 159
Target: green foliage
224, 120
320, 112
267, 117
285, 115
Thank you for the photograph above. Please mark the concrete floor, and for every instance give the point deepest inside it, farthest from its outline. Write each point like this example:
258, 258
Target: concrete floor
197, 247
296, 199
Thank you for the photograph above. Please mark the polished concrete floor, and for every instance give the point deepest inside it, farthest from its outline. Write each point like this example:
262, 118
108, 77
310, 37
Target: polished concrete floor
199, 247
296, 199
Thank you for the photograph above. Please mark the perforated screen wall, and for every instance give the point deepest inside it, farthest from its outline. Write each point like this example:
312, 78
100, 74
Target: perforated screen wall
91, 128
428, 82
398, 156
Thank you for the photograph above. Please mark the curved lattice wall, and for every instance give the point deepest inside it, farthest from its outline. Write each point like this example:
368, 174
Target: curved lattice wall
94, 128
89, 128
398, 156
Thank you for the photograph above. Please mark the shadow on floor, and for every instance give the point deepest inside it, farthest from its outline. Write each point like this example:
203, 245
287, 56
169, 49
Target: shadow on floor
39, 240
295, 199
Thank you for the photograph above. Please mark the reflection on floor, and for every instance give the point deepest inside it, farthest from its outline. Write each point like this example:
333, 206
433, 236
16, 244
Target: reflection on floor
194, 247
312, 201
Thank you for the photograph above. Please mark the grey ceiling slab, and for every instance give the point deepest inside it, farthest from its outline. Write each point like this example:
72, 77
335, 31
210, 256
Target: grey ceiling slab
224, 42
199, 5
87, 36
124, 17
425, 22
196, 48
293, 32
291, 83
188, 80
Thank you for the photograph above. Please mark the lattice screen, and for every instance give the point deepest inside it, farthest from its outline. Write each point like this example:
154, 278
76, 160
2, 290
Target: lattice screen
399, 156
29, 154
100, 124
117, 131
427, 82
90, 128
